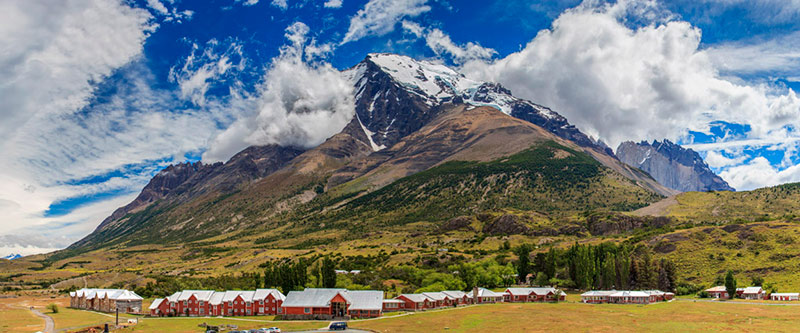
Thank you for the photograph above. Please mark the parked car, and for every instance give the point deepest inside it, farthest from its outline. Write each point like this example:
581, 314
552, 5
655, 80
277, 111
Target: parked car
271, 330
339, 325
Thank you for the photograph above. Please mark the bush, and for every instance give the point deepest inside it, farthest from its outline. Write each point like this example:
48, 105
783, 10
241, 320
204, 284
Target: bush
758, 281
703, 294
53, 307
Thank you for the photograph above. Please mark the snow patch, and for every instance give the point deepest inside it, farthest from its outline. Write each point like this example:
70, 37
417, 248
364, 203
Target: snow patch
369, 134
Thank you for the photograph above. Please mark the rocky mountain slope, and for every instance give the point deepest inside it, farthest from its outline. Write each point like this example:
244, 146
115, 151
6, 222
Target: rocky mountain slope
411, 117
672, 165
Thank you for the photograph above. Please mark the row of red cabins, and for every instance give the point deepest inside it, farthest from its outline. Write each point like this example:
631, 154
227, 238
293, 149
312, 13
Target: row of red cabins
325, 304
625, 296
752, 293
219, 303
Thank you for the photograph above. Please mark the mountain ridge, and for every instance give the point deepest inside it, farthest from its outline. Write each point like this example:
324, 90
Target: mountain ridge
672, 165
261, 184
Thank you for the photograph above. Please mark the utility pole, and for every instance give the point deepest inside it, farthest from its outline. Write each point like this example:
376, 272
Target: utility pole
117, 317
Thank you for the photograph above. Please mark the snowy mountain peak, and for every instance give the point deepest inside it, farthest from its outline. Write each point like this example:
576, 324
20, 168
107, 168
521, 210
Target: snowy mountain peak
12, 256
395, 95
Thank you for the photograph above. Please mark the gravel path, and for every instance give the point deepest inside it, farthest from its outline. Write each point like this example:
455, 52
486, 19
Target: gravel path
49, 324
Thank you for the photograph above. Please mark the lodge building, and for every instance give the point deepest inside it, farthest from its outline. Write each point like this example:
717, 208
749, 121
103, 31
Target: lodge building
625, 296
194, 303
547, 294
329, 303
106, 300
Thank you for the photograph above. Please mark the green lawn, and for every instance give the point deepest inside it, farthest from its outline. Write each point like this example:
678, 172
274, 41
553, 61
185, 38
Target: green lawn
683, 315
15, 319
677, 316
186, 324
73, 318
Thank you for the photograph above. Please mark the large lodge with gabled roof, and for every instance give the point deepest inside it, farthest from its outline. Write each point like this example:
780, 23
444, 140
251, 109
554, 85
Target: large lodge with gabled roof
106, 300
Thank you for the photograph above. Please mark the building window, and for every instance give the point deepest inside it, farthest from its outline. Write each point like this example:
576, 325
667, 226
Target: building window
201, 303
184, 303
280, 310
307, 310
248, 311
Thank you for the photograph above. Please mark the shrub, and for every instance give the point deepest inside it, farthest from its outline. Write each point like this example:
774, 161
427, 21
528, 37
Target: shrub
703, 294
53, 307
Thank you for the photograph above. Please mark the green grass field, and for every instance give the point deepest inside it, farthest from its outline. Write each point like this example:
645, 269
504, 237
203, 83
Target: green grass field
17, 319
684, 315
677, 316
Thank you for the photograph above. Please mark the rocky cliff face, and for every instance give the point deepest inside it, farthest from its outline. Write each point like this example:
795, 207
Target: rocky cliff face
396, 95
184, 182
672, 165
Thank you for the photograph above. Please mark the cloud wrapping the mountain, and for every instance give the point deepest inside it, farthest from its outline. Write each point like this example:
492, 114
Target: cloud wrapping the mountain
379, 17
300, 103
620, 83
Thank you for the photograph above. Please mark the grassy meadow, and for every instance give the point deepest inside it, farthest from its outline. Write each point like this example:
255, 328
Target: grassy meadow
684, 315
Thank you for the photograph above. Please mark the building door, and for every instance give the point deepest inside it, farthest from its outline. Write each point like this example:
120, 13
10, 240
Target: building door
338, 309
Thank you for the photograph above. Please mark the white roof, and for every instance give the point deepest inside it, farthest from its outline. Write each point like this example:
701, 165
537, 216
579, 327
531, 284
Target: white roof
200, 295
454, 293
483, 292
416, 298
115, 294
519, 291
753, 290
365, 299
174, 297
216, 298
314, 297
716, 289
436, 296
392, 300
156, 303
528, 291
627, 293
655, 292
263, 293
599, 293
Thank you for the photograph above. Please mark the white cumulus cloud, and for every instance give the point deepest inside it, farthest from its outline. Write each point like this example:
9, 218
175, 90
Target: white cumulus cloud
441, 44
621, 83
280, 4
333, 4
379, 17
300, 103
58, 141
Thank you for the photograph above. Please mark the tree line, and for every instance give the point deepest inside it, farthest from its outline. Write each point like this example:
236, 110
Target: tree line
602, 266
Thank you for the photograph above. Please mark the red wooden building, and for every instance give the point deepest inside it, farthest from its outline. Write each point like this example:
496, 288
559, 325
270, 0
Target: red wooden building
533, 295
459, 297
327, 304
483, 295
416, 302
195, 303
720, 292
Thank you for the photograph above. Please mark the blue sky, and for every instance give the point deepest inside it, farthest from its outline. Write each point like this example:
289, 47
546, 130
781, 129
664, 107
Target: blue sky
104, 93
